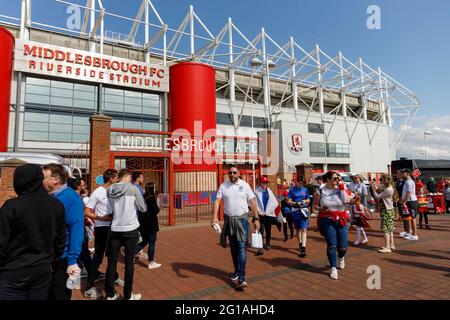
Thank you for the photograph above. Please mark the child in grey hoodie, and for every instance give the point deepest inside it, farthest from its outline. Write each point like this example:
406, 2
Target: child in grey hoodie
124, 200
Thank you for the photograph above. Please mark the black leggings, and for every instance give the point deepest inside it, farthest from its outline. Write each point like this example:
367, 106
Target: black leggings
290, 224
423, 215
266, 225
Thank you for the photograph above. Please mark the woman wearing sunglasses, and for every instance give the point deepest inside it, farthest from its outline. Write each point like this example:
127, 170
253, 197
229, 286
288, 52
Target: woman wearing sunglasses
330, 201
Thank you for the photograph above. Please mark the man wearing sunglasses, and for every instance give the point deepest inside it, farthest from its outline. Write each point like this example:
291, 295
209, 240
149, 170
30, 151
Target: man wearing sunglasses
237, 196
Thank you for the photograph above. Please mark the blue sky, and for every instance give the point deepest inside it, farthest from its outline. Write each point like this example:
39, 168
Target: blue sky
413, 45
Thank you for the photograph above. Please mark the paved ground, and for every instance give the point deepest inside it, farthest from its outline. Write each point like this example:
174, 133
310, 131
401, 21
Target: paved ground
194, 266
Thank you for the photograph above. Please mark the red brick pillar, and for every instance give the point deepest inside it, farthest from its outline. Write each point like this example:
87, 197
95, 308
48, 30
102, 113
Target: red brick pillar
265, 153
100, 148
7, 169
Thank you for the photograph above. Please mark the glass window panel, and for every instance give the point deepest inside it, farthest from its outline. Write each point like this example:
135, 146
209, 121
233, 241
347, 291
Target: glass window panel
84, 104
151, 111
132, 124
37, 89
80, 138
65, 102
60, 118
40, 82
315, 128
85, 87
84, 95
133, 101
133, 109
36, 116
111, 91
63, 128
224, 118
113, 99
36, 126
79, 120
81, 129
117, 123
35, 136
60, 137
133, 94
38, 99
64, 93
150, 126
150, 103
113, 107
61, 84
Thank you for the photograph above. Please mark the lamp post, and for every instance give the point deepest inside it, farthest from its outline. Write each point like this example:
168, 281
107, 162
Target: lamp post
325, 138
425, 134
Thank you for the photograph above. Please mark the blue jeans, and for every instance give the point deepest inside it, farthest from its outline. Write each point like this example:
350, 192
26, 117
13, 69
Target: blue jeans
151, 241
239, 252
336, 237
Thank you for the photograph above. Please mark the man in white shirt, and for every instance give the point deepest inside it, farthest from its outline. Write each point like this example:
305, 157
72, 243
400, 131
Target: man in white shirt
409, 197
96, 210
237, 196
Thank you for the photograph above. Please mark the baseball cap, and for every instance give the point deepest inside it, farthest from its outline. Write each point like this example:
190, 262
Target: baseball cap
264, 179
405, 170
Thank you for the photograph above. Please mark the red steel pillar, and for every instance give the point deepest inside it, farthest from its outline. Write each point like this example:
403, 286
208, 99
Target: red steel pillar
6, 58
192, 98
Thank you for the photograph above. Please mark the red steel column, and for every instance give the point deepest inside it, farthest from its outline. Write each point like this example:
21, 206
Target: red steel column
6, 58
192, 98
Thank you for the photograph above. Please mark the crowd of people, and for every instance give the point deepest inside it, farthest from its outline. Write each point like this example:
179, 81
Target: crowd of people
46, 232
339, 207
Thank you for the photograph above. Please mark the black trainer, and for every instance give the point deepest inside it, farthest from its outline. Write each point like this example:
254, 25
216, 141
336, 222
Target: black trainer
260, 252
302, 253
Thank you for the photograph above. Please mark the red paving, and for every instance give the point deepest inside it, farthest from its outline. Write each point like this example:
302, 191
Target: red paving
194, 266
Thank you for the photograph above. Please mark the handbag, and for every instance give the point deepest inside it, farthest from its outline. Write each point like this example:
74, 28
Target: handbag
257, 241
405, 210
366, 213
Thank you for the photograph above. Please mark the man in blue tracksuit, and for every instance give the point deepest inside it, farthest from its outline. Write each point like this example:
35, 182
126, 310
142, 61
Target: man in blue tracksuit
55, 178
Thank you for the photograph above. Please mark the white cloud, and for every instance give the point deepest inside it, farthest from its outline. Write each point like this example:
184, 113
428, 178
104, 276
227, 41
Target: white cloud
438, 143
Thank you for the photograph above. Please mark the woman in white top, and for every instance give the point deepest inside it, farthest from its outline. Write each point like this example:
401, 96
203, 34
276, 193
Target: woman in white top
389, 196
333, 219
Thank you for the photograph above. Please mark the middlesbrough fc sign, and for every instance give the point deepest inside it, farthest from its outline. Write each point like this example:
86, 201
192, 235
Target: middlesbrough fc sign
49, 60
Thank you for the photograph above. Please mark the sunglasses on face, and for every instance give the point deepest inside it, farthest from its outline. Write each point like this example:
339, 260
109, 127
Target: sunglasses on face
336, 179
232, 172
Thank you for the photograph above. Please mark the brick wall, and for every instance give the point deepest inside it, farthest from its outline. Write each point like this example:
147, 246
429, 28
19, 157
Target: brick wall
100, 147
7, 169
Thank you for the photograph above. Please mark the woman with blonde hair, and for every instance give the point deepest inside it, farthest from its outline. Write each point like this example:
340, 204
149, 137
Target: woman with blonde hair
389, 196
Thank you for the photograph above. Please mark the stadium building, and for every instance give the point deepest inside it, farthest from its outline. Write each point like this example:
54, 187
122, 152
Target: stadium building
330, 112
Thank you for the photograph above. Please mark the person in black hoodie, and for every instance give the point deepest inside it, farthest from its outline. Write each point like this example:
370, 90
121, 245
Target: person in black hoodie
32, 234
148, 225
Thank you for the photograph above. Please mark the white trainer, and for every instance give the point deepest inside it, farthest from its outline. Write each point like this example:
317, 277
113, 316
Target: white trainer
414, 238
116, 297
404, 234
334, 274
356, 243
154, 265
91, 293
119, 282
135, 296
341, 263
